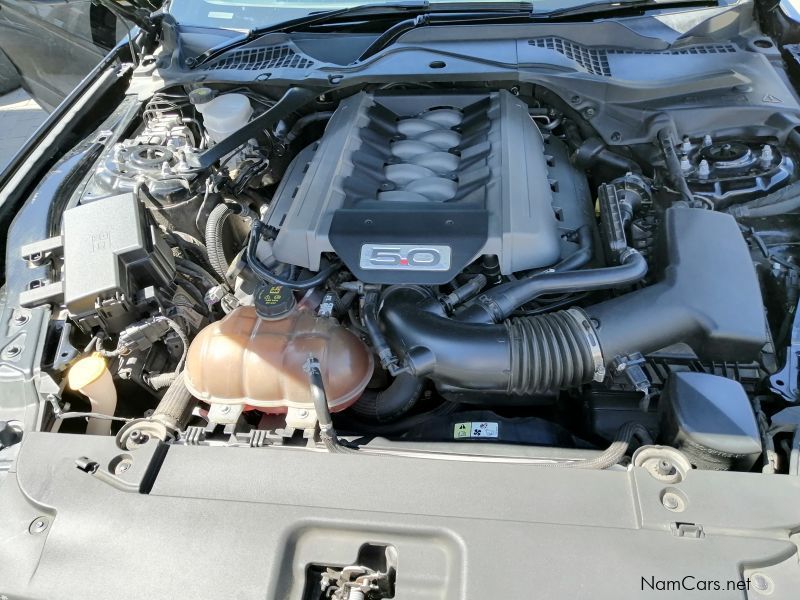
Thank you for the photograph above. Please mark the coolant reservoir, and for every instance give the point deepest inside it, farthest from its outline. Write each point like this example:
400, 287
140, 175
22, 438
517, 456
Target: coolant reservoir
246, 359
225, 114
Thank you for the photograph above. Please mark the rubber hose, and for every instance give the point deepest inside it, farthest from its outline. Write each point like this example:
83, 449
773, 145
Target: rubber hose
304, 122
391, 403
674, 164
523, 356
782, 201
369, 315
495, 305
214, 243
267, 275
604, 460
593, 151
582, 255
548, 352
574, 261
327, 433
611, 455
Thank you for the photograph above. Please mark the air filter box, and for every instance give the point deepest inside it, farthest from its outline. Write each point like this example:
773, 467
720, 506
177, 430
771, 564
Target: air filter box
710, 419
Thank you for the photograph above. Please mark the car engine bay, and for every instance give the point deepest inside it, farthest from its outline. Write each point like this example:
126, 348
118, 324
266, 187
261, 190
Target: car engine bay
428, 267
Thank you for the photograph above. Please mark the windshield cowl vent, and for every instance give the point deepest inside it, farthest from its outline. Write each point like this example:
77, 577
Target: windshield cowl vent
594, 59
256, 59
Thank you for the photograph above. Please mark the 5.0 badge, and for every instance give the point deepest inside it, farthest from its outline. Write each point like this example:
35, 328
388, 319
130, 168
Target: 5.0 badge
405, 257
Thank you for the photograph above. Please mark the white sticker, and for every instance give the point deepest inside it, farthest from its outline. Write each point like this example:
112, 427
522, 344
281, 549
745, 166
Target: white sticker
476, 429
220, 15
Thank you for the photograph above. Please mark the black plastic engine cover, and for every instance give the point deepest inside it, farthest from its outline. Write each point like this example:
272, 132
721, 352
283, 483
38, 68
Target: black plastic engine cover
403, 237
411, 188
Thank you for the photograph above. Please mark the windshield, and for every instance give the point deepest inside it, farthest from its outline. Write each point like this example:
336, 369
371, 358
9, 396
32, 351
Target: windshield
248, 14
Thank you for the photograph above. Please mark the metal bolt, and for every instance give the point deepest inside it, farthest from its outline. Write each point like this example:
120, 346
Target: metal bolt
665, 467
670, 501
707, 141
766, 156
515, 90
761, 583
303, 414
38, 525
575, 99
673, 501
616, 136
225, 409
703, 171
589, 112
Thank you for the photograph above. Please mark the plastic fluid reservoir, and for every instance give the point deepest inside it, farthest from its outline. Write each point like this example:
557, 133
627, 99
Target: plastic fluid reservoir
255, 361
91, 377
225, 114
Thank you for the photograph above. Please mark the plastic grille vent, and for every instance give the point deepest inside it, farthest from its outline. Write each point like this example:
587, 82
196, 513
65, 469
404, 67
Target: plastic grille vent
257, 59
595, 59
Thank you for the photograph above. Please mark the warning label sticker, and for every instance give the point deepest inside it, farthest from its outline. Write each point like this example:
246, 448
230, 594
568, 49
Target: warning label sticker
475, 429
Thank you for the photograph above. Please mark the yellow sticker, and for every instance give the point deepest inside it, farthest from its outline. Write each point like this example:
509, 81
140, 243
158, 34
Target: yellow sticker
461, 430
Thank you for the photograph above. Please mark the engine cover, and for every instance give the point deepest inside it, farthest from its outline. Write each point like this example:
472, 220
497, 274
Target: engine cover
411, 188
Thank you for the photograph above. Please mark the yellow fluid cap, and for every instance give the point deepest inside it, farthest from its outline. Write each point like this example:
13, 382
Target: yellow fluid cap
86, 371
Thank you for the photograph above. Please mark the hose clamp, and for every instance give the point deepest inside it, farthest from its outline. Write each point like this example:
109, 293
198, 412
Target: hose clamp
628, 253
590, 335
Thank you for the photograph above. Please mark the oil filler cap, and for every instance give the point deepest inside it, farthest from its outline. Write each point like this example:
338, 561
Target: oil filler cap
274, 302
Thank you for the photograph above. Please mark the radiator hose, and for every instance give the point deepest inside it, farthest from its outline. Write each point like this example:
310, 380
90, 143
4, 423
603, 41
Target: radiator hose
393, 402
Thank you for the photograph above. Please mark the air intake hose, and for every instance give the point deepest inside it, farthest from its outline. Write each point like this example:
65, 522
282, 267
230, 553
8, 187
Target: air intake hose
708, 297
528, 355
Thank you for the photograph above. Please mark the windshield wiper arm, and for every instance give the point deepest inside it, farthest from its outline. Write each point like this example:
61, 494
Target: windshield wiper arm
496, 15
408, 14
606, 7
362, 10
